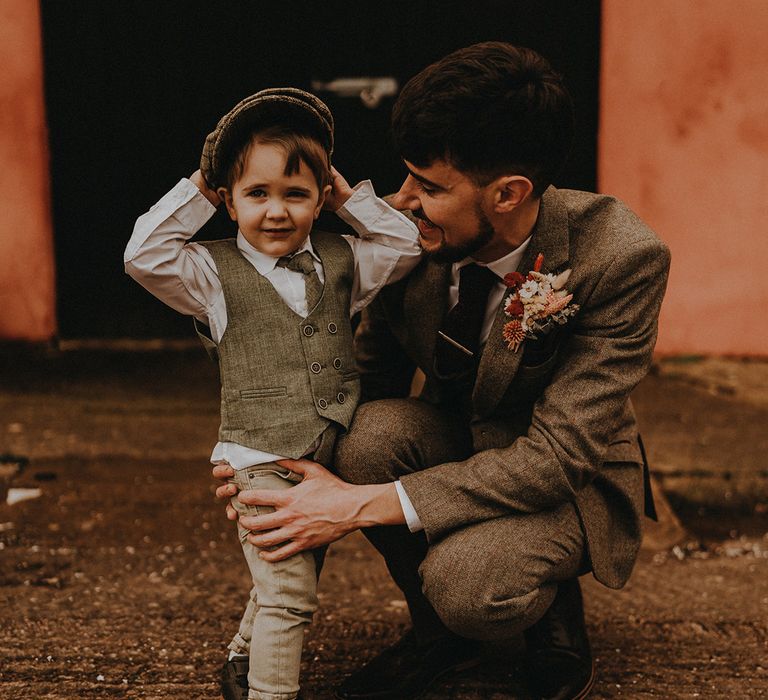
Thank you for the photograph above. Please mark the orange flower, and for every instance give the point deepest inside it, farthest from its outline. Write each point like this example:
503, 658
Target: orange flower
513, 334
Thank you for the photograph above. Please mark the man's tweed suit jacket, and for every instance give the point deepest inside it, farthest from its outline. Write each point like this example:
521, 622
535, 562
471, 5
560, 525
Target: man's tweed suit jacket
553, 421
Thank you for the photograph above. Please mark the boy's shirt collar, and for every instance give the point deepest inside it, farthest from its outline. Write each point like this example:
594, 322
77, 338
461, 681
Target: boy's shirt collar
263, 263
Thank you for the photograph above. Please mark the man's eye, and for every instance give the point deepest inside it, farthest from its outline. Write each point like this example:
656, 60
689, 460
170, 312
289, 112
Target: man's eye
429, 191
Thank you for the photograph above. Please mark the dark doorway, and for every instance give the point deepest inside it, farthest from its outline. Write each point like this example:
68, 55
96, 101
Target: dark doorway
133, 87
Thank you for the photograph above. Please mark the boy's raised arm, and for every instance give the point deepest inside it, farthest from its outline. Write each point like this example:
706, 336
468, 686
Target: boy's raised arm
157, 255
387, 246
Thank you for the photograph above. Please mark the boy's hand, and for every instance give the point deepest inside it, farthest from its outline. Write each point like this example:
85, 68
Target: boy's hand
340, 191
199, 181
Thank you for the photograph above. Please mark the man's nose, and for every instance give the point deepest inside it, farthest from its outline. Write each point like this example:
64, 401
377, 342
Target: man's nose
406, 198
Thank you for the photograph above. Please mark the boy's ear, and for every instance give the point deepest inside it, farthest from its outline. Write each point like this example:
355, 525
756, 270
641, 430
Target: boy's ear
510, 191
321, 199
226, 197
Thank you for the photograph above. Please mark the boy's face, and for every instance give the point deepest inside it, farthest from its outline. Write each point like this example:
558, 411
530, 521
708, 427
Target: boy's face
274, 211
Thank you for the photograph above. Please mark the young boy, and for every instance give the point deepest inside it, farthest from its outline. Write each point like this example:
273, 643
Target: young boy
273, 306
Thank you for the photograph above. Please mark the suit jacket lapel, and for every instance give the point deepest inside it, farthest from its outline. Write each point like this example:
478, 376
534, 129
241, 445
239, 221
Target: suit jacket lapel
498, 364
424, 304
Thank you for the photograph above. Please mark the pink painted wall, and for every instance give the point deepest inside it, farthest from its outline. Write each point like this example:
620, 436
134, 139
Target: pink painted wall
684, 141
27, 302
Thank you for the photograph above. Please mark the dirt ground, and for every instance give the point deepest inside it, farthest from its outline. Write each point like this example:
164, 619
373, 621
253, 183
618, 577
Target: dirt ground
124, 580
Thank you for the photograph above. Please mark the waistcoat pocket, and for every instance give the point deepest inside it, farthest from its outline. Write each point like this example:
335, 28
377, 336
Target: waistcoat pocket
265, 393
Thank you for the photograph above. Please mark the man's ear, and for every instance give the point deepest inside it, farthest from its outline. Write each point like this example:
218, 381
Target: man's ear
226, 197
321, 199
510, 191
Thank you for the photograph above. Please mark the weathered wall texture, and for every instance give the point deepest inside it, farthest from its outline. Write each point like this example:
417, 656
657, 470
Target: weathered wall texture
684, 141
27, 304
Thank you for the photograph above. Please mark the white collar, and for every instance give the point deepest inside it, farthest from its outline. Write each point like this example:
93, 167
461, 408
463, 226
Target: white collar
263, 263
501, 267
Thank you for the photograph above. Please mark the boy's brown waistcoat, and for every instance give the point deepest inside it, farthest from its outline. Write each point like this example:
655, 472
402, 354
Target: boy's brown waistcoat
284, 379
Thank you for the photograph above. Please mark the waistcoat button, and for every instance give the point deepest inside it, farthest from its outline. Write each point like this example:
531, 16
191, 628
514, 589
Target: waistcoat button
315, 367
332, 327
322, 403
337, 362
308, 331
340, 397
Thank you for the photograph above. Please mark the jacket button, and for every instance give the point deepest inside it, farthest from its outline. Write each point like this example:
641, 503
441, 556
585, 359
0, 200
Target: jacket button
337, 363
332, 327
340, 397
315, 367
322, 403
308, 331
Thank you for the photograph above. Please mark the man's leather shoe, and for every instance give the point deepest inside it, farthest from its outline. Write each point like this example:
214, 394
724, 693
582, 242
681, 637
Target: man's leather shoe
234, 678
559, 663
407, 668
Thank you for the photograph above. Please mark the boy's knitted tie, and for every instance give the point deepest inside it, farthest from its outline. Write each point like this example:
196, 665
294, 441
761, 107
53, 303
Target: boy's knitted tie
459, 338
302, 262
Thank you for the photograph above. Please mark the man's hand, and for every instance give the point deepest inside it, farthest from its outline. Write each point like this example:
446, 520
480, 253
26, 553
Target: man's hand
199, 181
222, 472
317, 511
340, 191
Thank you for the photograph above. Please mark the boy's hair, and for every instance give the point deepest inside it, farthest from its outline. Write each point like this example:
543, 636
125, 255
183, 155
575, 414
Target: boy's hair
489, 109
297, 147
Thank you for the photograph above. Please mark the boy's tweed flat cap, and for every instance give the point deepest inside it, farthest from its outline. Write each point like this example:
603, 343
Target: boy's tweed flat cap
295, 108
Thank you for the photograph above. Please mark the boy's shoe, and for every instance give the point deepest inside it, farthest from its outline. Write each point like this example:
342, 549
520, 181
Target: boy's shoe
234, 678
234, 681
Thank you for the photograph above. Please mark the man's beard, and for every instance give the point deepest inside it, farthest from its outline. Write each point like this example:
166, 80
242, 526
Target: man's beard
453, 253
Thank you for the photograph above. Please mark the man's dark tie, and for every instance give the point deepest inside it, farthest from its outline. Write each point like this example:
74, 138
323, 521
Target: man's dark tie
303, 263
459, 338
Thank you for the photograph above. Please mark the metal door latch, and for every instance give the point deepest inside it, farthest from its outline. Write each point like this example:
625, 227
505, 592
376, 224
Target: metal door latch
370, 90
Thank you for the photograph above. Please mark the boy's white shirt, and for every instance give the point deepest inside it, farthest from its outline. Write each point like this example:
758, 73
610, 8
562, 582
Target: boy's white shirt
184, 275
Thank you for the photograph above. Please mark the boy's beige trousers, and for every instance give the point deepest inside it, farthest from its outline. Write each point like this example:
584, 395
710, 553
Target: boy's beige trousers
282, 601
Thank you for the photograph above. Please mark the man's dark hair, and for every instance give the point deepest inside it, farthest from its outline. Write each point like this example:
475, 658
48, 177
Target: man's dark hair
489, 109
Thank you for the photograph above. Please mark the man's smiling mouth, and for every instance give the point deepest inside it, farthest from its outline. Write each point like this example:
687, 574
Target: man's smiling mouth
424, 223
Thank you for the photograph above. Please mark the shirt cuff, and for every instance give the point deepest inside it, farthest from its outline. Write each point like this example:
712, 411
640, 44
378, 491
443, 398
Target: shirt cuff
188, 192
185, 202
411, 517
365, 212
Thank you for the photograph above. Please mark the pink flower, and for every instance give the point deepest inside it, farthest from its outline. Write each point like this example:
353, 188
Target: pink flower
555, 303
